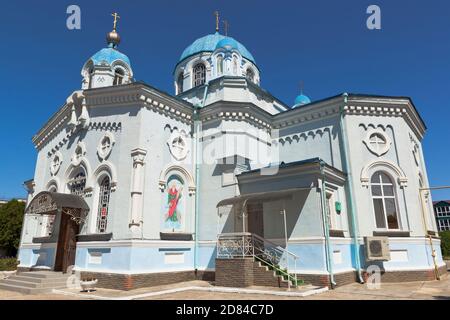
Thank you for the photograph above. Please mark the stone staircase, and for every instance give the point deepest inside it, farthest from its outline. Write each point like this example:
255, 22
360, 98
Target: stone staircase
35, 282
263, 275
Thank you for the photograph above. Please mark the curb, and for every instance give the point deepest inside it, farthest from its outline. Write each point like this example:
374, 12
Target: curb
210, 289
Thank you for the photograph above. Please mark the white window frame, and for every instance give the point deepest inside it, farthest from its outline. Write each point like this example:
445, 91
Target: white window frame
100, 204
382, 197
377, 150
198, 81
330, 209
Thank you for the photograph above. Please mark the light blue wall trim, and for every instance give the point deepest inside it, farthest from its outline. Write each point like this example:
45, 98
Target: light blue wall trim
39, 257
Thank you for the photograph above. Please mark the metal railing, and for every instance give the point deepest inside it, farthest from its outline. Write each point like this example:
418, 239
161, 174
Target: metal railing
244, 244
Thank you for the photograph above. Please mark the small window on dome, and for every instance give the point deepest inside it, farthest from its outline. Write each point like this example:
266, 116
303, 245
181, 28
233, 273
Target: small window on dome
199, 74
180, 80
118, 77
235, 65
219, 65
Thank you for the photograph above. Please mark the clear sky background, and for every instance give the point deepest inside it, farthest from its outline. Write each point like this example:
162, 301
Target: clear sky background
324, 43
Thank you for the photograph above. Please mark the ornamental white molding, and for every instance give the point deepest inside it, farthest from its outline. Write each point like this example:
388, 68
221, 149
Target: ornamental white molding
170, 168
309, 116
390, 167
56, 162
54, 182
105, 146
376, 110
111, 126
138, 156
376, 148
238, 116
178, 144
79, 153
311, 134
167, 110
108, 168
392, 108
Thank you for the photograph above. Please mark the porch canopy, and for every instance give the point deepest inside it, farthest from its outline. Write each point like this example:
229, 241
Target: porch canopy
260, 197
50, 203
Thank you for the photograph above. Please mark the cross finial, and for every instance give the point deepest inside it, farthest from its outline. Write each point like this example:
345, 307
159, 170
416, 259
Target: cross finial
116, 18
216, 13
301, 86
226, 26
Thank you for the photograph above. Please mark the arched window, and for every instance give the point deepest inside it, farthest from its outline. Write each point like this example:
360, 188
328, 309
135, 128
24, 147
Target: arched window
78, 183
384, 201
180, 80
235, 66
250, 75
219, 65
91, 76
103, 204
199, 74
118, 77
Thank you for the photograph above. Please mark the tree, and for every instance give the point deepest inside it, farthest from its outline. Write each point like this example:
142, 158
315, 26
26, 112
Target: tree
445, 243
11, 218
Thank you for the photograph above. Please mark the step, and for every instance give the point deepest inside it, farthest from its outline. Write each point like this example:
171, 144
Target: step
24, 290
44, 274
25, 278
27, 284
280, 277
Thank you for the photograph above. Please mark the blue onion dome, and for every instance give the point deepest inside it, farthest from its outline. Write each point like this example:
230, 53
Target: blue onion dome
228, 44
108, 56
210, 42
301, 100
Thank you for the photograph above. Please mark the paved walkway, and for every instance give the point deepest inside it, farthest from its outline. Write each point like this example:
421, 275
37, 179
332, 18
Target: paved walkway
388, 291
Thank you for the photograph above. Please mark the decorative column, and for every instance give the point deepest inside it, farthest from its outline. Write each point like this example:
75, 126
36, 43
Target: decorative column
137, 190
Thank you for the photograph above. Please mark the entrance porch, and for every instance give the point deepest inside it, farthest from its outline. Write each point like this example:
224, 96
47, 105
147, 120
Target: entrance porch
281, 226
53, 245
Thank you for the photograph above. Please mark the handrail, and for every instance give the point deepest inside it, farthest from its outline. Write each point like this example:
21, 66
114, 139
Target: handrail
245, 244
240, 234
278, 246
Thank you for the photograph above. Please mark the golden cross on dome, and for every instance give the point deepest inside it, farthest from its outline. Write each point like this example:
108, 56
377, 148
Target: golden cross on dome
226, 26
116, 17
216, 13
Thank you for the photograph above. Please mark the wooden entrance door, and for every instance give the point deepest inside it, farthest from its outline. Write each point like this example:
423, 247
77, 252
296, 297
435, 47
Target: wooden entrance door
255, 219
67, 243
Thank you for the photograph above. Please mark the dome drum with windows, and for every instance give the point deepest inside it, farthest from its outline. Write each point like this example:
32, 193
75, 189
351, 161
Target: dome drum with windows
109, 66
214, 56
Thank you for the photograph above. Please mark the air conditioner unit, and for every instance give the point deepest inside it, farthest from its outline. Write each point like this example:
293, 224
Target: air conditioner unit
377, 248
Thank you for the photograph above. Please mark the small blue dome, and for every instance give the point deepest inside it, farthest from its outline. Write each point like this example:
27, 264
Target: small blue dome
210, 42
301, 100
108, 56
227, 43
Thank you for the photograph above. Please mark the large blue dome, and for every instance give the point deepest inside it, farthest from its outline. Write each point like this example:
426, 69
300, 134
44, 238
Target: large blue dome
209, 43
108, 56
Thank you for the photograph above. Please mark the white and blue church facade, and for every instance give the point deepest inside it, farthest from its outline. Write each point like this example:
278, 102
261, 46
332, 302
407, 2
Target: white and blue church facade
137, 187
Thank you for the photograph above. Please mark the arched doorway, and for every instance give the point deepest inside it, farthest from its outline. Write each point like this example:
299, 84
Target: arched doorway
69, 212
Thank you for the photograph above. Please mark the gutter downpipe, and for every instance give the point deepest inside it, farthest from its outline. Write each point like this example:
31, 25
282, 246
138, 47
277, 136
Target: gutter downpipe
349, 181
326, 230
197, 173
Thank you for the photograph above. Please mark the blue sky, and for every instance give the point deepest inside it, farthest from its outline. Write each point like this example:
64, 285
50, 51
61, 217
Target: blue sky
324, 43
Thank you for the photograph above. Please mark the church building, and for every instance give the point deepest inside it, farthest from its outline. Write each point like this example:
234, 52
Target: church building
223, 181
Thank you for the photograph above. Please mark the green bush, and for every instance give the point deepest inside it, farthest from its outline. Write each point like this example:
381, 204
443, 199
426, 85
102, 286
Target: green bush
445, 243
8, 264
11, 216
